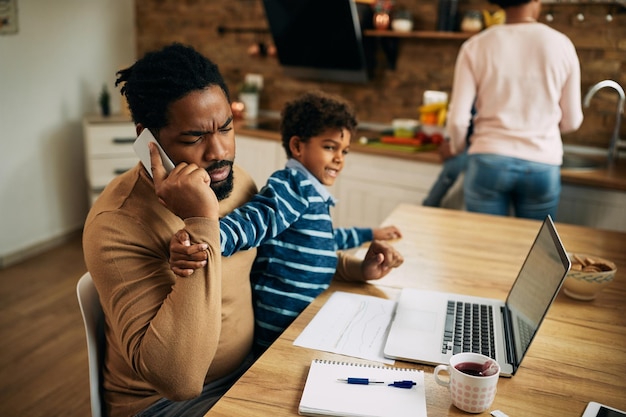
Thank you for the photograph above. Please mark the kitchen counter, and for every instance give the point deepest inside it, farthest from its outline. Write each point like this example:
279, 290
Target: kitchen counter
612, 178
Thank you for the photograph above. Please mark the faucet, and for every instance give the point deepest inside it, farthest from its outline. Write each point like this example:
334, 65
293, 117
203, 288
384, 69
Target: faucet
614, 144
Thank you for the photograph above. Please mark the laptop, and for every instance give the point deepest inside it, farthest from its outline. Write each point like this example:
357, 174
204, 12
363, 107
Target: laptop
425, 329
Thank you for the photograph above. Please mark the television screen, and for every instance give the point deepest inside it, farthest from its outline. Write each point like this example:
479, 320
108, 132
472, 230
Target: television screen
318, 39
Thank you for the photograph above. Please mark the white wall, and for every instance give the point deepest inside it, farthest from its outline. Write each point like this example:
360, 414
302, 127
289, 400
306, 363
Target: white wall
51, 72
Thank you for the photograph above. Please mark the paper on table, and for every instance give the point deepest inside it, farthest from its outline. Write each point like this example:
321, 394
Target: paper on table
350, 324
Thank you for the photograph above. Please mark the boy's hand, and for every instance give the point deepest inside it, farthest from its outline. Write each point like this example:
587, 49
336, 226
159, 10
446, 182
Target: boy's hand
380, 258
387, 233
185, 257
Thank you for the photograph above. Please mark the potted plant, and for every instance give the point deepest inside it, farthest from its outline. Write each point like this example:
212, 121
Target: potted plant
249, 95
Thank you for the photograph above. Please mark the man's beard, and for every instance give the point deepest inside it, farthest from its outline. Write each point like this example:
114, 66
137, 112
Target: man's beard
223, 189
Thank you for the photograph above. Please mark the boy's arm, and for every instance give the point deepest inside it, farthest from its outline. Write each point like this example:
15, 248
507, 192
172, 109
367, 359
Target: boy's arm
352, 237
274, 209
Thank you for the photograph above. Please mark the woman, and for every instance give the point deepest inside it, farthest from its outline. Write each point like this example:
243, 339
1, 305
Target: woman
524, 79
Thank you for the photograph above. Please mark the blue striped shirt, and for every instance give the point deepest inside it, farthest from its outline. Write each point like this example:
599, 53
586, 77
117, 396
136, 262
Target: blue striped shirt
289, 221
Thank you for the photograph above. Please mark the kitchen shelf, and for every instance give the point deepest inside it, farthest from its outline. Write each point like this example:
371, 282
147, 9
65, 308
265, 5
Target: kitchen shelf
390, 39
417, 34
585, 2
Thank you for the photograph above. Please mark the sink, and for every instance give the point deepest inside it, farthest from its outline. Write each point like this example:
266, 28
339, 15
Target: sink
581, 162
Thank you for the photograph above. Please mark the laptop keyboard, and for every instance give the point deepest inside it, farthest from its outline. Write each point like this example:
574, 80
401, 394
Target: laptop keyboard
469, 328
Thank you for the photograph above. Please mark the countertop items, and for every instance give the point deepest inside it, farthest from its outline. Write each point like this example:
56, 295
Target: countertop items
613, 178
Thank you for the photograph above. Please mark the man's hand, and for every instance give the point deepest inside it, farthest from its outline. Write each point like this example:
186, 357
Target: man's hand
185, 257
186, 190
380, 258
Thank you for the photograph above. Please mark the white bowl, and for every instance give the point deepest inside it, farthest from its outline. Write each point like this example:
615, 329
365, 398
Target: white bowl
402, 25
404, 128
585, 284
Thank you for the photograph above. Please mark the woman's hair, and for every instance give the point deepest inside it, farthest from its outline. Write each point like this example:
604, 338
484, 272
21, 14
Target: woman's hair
312, 114
509, 3
162, 77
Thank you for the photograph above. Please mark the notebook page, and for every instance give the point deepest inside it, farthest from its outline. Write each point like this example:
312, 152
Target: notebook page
324, 395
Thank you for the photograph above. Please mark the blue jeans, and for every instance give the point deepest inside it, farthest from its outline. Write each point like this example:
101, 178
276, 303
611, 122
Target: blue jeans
452, 168
493, 184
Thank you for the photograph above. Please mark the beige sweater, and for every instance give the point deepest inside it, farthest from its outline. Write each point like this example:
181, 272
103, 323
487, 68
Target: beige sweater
167, 336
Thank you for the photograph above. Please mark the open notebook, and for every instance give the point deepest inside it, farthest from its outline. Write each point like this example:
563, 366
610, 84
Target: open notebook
325, 394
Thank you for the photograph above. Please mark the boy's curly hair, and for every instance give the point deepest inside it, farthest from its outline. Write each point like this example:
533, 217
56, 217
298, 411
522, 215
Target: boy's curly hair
313, 113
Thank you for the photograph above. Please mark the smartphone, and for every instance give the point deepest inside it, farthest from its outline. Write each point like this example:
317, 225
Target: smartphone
595, 409
143, 152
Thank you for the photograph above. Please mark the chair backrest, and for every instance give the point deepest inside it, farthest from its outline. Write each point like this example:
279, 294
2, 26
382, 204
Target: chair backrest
93, 318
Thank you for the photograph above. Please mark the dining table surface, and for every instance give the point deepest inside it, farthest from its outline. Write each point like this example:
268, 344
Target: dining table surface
577, 356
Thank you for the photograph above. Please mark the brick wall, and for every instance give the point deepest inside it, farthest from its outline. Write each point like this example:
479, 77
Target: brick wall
422, 64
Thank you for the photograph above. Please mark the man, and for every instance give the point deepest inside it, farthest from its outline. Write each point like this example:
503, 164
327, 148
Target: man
175, 345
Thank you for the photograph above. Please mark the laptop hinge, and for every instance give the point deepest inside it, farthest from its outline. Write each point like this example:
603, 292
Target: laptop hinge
508, 335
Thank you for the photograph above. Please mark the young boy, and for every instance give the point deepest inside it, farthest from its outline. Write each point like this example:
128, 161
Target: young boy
289, 219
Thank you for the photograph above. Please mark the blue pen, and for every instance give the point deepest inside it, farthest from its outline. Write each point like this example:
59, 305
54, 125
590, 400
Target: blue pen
367, 381
360, 381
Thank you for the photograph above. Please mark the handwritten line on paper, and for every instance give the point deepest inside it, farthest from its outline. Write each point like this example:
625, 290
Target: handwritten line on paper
350, 324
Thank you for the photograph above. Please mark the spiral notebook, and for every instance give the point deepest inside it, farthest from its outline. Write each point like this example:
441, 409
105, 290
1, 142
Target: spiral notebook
325, 394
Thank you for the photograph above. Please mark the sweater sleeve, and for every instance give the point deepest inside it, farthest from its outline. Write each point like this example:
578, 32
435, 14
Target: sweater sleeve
348, 268
167, 329
461, 102
274, 209
347, 238
570, 103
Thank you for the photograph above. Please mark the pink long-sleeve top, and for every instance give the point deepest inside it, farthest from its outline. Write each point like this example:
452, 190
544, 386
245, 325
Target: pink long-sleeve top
525, 78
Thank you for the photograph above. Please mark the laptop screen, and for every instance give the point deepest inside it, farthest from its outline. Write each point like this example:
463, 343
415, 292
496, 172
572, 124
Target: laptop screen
536, 287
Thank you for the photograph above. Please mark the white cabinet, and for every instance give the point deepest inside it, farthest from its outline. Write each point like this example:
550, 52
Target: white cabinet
108, 150
370, 187
593, 207
259, 157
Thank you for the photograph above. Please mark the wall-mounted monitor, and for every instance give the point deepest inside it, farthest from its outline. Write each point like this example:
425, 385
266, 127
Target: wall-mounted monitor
318, 39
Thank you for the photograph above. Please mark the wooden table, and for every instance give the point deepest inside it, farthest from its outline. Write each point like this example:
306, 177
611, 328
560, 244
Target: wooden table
579, 354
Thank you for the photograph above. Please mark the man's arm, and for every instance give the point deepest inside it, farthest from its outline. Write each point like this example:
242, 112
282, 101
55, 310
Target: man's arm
167, 330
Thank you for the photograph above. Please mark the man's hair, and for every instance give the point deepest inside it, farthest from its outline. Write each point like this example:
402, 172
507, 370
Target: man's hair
161, 77
312, 114
508, 3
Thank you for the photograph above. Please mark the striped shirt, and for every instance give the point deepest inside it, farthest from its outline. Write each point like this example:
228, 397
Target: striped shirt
289, 221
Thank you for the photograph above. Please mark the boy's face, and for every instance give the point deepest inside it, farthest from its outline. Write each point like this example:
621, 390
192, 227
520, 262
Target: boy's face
323, 155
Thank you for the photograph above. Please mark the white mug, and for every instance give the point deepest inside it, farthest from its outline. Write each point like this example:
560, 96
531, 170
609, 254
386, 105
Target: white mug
472, 392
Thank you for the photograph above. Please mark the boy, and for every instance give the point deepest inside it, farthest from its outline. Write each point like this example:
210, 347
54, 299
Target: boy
290, 218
